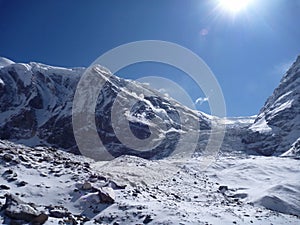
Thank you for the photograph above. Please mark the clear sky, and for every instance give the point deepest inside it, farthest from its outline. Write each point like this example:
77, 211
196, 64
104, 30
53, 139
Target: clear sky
247, 50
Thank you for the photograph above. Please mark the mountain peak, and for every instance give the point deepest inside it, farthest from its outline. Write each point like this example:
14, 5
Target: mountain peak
5, 62
298, 59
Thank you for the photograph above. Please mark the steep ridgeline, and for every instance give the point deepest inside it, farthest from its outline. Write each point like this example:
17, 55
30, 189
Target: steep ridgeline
276, 129
36, 109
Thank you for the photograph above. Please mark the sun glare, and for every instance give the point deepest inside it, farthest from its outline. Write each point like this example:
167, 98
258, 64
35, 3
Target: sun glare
234, 6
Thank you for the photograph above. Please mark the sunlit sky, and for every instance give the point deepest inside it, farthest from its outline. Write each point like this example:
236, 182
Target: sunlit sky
248, 47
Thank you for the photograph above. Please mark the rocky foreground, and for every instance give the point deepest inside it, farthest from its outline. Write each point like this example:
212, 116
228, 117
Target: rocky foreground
47, 186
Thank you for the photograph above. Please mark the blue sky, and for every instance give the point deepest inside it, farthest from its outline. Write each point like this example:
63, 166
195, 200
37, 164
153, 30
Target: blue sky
247, 52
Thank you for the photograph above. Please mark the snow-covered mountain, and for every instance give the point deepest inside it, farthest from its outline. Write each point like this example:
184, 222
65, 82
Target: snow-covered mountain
36, 109
277, 126
44, 185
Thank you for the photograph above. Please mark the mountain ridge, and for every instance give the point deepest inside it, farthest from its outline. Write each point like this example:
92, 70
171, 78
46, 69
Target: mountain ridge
42, 96
277, 125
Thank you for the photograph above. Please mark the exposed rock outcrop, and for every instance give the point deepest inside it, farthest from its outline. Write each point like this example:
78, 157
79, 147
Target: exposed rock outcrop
277, 126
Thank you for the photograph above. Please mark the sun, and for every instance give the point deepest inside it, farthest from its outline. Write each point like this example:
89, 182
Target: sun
234, 6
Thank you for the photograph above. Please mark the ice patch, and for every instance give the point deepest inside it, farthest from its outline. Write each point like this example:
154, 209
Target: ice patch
282, 106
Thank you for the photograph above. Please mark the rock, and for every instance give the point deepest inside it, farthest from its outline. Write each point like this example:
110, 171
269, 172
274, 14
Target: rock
9, 171
23, 158
86, 186
40, 219
59, 212
21, 184
11, 179
115, 186
223, 189
10, 175
70, 220
16, 209
12, 199
16, 222
8, 157
147, 219
106, 195
4, 187
42, 174
294, 150
87, 165
21, 212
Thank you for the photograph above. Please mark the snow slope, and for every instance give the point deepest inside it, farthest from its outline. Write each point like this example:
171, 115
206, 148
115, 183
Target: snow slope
272, 182
174, 192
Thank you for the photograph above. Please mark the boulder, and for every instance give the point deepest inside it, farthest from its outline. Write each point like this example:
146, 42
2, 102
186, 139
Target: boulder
223, 189
4, 187
21, 212
86, 186
16, 209
59, 212
115, 186
40, 219
106, 195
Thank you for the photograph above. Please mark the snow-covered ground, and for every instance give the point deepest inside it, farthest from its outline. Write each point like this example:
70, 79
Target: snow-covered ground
272, 182
66, 188
174, 192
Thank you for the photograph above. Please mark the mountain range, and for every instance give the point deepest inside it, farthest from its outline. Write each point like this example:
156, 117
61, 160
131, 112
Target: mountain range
36, 109
252, 179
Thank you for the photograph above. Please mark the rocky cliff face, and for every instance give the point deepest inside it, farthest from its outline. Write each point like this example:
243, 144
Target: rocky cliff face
277, 126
